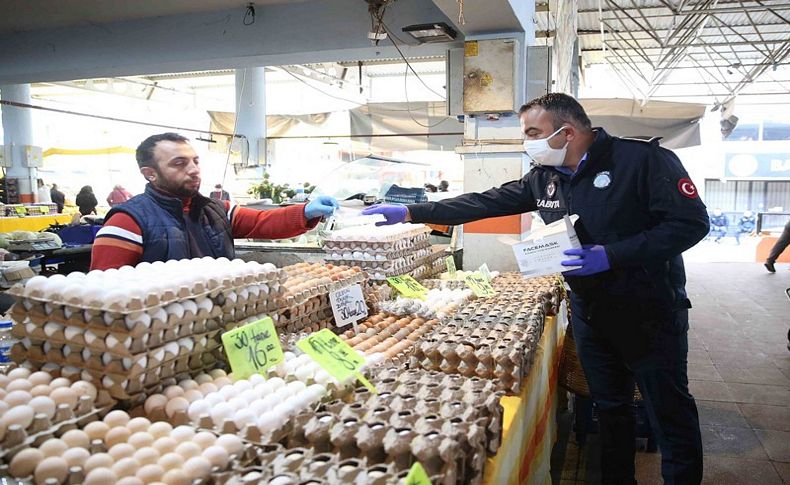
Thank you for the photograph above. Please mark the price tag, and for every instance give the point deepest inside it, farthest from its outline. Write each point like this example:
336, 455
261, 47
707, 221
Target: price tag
20, 211
450, 263
43, 209
335, 356
407, 286
479, 285
252, 348
485, 272
348, 305
417, 475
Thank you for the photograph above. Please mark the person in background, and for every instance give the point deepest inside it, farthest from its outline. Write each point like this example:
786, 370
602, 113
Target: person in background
57, 197
718, 224
86, 201
444, 186
780, 245
746, 225
44, 194
172, 220
430, 188
119, 195
638, 211
219, 194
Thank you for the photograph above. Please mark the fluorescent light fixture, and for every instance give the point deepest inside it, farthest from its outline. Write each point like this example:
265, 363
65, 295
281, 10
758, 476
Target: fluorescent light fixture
435, 32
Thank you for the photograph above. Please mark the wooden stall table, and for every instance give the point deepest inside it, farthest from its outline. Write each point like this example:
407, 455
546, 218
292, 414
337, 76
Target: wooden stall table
529, 427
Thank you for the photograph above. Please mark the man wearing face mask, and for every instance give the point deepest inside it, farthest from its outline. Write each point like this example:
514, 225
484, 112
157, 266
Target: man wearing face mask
638, 211
172, 220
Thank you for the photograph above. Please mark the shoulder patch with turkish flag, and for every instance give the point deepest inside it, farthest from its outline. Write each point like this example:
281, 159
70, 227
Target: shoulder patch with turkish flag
687, 188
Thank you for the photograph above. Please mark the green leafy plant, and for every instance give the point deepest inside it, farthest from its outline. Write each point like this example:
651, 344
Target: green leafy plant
278, 193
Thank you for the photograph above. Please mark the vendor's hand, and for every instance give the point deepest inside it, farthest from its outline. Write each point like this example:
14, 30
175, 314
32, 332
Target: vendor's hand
393, 213
321, 206
592, 260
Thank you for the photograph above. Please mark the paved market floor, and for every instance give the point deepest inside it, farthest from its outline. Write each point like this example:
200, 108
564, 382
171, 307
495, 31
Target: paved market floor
739, 371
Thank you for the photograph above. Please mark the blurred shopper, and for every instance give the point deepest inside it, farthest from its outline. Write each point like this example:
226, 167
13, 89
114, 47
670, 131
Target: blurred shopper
44, 195
779, 247
119, 195
718, 224
86, 201
746, 225
444, 186
57, 197
219, 193
638, 211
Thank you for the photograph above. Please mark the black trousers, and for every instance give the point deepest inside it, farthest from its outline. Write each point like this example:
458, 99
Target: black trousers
621, 346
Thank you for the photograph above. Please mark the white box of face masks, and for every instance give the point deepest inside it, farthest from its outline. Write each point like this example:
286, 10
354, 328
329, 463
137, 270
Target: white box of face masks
542, 251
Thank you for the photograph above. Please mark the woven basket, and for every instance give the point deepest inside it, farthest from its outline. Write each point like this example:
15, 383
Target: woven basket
571, 375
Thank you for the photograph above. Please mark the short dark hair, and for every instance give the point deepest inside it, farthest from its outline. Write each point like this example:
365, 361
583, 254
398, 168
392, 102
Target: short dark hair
145, 151
564, 108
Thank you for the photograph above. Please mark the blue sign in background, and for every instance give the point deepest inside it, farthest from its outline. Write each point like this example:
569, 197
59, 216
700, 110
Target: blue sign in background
763, 165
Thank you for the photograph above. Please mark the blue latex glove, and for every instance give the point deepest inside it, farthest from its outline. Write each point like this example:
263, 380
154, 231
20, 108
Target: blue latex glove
593, 259
393, 213
321, 206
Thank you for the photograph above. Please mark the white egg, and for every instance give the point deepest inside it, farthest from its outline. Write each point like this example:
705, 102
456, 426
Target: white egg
198, 409
232, 443
35, 285
183, 433
220, 413
21, 415
43, 405
269, 422
217, 455
17, 398
243, 417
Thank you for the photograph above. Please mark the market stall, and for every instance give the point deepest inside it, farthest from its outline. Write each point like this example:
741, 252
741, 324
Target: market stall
349, 370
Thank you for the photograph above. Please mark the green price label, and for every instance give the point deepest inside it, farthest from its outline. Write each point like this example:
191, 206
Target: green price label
252, 348
20, 210
417, 476
485, 272
479, 285
335, 356
450, 263
43, 210
407, 286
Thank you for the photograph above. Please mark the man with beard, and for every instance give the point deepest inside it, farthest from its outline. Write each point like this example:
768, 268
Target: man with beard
172, 220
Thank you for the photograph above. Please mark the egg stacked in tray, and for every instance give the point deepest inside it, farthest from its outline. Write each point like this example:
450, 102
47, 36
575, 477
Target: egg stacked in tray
133, 330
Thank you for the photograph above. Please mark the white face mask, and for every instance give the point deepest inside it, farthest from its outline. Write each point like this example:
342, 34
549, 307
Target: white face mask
543, 154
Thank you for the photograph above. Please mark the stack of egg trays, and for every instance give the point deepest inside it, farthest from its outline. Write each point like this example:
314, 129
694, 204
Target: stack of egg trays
312, 307
255, 295
42, 428
420, 268
278, 464
448, 423
411, 236
116, 349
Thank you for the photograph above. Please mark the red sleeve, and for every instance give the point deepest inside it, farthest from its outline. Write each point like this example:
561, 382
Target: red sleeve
279, 223
118, 243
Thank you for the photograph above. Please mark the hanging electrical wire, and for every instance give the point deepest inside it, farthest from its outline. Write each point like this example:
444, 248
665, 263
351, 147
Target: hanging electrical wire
235, 123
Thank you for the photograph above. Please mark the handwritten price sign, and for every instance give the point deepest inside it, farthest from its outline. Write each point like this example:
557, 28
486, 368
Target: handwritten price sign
407, 286
335, 356
348, 305
417, 476
450, 263
252, 348
479, 285
485, 272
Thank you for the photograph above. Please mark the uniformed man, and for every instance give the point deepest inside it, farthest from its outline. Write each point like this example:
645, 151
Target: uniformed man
638, 211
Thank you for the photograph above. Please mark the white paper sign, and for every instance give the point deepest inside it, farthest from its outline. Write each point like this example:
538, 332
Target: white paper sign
348, 305
542, 251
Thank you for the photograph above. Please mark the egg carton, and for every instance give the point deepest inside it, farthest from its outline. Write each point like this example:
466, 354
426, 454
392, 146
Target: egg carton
421, 268
42, 428
119, 344
341, 252
134, 324
382, 236
123, 346
392, 264
133, 367
292, 298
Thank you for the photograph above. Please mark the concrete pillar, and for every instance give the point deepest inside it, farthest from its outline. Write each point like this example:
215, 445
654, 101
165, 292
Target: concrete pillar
18, 132
566, 48
251, 116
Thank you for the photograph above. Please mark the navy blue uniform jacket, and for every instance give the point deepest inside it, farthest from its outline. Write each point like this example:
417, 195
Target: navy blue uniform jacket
632, 196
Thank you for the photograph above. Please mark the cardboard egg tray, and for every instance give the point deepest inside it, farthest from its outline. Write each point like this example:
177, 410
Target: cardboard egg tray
106, 321
42, 429
393, 264
339, 253
105, 362
248, 456
408, 235
304, 465
420, 268
117, 344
